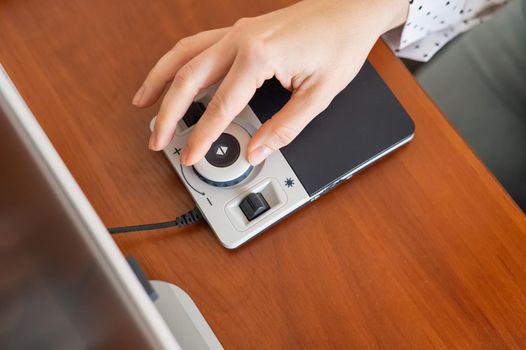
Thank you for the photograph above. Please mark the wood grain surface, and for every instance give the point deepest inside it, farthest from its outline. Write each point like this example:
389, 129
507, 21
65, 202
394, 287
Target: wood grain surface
423, 250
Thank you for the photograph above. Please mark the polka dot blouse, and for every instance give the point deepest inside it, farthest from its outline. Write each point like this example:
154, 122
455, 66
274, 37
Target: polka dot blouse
431, 24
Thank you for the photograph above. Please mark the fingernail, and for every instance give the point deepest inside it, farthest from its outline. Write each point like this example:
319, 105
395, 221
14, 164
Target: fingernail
138, 96
259, 154
184, 156
152, 142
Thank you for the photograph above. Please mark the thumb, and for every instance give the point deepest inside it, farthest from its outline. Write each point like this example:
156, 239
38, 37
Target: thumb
285, 125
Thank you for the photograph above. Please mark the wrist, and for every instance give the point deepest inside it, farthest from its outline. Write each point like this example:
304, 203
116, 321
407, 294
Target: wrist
380, 15
393, 12
400, 10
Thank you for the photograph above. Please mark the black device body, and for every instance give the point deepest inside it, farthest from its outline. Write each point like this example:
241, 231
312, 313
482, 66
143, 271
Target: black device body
362, 122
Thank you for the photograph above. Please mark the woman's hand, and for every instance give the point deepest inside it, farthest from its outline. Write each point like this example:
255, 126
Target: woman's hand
314, 48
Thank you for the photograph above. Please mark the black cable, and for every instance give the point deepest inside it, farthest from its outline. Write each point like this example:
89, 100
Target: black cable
189, 218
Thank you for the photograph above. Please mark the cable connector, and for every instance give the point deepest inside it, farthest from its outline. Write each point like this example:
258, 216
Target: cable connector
186, 219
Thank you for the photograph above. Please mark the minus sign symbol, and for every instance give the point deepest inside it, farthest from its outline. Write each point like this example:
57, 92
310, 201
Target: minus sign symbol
208, 199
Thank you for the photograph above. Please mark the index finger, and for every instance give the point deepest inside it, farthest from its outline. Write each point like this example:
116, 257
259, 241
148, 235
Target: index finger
234, 93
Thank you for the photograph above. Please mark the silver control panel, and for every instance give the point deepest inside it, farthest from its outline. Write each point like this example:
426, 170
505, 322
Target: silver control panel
222, 182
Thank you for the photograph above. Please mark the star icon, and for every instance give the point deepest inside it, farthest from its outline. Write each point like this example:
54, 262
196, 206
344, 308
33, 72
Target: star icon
289, 182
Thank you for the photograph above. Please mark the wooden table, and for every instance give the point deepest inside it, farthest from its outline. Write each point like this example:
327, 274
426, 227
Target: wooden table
425, 249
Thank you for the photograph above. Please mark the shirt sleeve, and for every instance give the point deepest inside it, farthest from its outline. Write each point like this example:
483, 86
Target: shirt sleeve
431, 24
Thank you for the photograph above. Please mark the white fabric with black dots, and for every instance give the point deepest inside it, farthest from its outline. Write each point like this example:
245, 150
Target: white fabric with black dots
431, 24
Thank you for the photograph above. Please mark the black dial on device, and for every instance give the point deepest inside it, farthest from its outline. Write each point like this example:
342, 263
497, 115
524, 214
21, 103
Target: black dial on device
225, 164
224, 151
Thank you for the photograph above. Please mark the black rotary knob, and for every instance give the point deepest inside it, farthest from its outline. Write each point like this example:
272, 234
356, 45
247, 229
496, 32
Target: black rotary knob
225, 164
224, 151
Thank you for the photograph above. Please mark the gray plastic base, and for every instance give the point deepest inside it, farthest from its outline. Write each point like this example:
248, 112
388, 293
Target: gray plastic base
183, 318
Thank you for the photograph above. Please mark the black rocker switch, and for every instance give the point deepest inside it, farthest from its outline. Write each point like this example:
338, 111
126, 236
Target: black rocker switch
193, 113
254, 205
